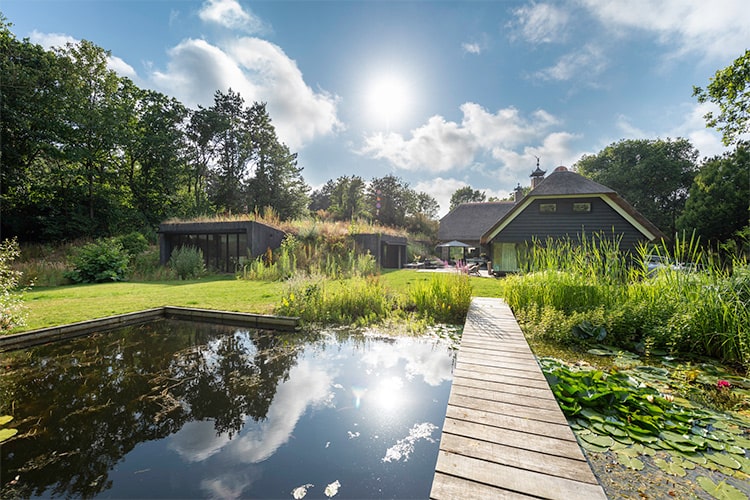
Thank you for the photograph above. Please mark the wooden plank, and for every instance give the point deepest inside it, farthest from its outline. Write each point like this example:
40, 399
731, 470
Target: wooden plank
451, 487
516, 439
505, 397
488, 374
518, 457
514, 388
555, 430
505, 408
516, 480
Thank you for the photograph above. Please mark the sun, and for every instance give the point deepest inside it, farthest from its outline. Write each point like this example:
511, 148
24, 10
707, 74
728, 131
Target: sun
389, 100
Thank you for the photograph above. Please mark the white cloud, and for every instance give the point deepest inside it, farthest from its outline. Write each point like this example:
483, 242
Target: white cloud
440, 145
60, 40
541, 23
718, 29
471, 48
230, 14
441, 189
583, 66
260, 71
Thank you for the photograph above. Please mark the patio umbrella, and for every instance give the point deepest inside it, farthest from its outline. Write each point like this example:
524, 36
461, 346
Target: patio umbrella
455, 244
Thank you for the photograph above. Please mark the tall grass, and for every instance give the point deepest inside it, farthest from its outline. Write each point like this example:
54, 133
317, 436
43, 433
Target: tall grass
366, 300
701, 308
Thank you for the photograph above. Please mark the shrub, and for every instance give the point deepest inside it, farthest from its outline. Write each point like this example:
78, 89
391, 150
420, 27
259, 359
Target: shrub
100, 261
134, 243
187, 262
12, 311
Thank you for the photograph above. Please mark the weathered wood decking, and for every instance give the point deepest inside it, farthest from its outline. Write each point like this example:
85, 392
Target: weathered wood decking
504, 435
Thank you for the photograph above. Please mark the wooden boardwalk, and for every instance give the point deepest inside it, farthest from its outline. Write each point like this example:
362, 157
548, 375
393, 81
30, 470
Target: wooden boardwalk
504, 435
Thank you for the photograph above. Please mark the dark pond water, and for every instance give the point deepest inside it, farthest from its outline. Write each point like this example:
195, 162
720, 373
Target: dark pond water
176, 409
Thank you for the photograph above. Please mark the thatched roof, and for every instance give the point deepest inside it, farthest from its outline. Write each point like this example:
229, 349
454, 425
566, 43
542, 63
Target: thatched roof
468, 221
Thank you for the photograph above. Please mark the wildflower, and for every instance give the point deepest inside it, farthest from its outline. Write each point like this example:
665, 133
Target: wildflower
723, 384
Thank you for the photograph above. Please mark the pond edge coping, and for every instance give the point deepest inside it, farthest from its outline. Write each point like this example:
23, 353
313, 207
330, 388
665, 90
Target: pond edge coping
55, 333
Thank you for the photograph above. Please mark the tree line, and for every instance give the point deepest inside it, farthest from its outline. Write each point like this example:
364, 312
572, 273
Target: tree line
87, 153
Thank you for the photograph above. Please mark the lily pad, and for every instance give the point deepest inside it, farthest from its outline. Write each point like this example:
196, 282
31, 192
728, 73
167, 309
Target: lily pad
722, 490
598, 440
671, 468
4, 419
724, 459
630, 462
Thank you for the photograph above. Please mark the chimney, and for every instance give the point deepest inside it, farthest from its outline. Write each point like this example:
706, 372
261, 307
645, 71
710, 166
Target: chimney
537, 175
517, 193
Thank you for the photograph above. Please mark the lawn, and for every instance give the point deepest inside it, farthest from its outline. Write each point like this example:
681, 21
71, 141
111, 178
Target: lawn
54, 306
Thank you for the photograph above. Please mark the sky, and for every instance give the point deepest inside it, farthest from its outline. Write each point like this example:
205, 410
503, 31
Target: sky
442, 94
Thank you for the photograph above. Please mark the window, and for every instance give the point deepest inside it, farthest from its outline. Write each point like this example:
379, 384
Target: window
581, 207
547, 208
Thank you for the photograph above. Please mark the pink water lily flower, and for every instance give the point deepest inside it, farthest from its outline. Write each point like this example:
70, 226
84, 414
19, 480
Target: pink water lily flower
723, 384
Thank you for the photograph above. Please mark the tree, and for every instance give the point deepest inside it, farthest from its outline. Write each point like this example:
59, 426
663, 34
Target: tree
717, 207
730, 90
394, 198
466, 195
347, 198
320, 199
652, 175
426, 205
276, 180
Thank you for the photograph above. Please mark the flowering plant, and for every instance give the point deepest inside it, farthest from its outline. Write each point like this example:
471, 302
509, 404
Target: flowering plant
723, 384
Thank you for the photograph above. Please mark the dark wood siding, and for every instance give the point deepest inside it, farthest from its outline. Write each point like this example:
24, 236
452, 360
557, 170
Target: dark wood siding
564, 222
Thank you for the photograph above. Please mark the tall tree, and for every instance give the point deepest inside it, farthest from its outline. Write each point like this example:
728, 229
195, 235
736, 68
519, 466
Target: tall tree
730, 90
717, 207
653, 175
348, 199
276, 180
320, 199
233, 151
29, 109
394, 198
466, 195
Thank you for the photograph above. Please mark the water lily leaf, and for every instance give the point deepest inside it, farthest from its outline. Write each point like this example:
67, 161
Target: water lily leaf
674, 437
592, 447
7, 434
4, 419
724, 459
614, 430
742, 441
598, 440
715, 445
697, 458
624, 440
601, 352
687, 448
735, 449
592, 415
721, 490
630, 462
642, 437
670, 467
698, 441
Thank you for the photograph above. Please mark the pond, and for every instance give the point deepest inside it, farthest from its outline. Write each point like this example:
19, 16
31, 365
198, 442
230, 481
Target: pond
181, 409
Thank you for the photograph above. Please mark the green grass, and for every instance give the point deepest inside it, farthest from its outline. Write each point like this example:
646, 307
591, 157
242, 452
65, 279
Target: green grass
55, 306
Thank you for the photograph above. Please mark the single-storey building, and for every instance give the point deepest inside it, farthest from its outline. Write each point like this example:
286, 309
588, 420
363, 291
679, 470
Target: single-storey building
227, 244
467, 222
563, 205
224, 244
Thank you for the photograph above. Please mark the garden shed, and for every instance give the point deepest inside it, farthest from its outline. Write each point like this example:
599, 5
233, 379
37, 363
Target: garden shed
224, 244
389, 251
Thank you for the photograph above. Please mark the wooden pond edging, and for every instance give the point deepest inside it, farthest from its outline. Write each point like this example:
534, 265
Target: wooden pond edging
54, 333
504, 434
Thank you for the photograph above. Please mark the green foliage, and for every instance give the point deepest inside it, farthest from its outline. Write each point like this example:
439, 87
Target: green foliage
6, 434
652, 175
445, 298
187, 262
701, 308
730, 90
100, 261
133, 243
466, 194
315, 299
12, 309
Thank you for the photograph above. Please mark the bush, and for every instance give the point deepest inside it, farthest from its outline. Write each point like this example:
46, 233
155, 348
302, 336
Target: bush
187, 262
444, 299
12, 312
100, 261
134, 243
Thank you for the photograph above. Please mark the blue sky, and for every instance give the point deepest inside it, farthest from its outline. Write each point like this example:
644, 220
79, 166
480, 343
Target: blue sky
443, 94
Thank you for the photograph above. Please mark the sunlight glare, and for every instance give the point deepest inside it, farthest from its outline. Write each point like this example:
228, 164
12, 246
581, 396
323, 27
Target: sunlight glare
388, 100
